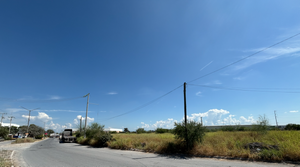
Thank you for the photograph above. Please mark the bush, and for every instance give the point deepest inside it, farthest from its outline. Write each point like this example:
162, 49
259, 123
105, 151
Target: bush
161, 130
262, 125
140, 130
95, 136
195, 132
292, 127
39, 136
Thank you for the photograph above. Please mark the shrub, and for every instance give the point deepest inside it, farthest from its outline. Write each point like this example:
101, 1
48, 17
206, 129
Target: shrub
95, 136
161, 130
39, 136
195, 132
140, 130
292, 127
262, 125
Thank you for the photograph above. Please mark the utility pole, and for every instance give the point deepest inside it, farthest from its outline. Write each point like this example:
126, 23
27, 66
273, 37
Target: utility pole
2, 117
80, 123
185, 116
44, 129
86, 115
201, 121
29, 116
10, 123
276, 118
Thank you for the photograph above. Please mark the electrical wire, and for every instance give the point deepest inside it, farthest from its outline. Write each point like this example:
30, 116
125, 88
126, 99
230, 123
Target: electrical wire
246, 89
142, 106
244, 58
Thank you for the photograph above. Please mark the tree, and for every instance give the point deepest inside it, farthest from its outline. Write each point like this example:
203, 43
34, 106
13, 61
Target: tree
23, 129
195, 132
140, 130
126, 130
35, 130
3, 132
49, 131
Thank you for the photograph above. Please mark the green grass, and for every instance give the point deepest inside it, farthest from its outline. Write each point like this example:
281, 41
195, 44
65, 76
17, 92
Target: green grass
4, 162
229, 144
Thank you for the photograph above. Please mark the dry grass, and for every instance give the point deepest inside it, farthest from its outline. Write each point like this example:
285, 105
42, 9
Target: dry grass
229, 144
25, 140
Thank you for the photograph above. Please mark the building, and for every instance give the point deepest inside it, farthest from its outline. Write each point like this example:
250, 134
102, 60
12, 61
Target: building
113, 130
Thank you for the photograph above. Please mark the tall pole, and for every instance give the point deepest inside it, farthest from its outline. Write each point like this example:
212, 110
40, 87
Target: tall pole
29, 116
87, 108
2, 117
201, 121
10, 123
185, 116
44, 129
80, 123
276, 118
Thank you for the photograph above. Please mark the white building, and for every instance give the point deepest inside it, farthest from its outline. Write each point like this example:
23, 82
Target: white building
113, 129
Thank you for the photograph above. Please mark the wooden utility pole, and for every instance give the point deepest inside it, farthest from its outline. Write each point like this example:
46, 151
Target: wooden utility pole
29, 116
86, 115
201, 121
276, 118
185, 117
10, 123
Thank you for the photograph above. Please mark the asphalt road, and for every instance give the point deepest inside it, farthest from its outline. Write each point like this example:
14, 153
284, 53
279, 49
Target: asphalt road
52, 153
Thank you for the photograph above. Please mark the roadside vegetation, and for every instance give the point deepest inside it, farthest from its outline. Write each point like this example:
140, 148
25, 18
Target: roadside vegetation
5, 163
256, 143
23, 140
95, 136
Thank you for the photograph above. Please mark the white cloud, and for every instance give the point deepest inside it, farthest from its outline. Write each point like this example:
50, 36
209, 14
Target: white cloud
294, 111
290, 48
54, 97
198, 93
77, 119
167, 124
41, 116
8, 124
214, 117
112, 93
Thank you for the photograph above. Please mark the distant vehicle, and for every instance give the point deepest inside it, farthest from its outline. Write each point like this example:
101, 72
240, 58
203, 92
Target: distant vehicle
67, 136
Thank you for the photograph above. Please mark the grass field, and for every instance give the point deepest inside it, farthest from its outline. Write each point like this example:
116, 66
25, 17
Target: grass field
229, 144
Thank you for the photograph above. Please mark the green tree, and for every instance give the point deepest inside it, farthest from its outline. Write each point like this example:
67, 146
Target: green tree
3, 132
49, 131
35, 130
126, 130
140, 130
195, 132
23, 129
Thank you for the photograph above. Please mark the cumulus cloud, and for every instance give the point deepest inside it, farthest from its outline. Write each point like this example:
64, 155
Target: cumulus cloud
216, 117
77, 119
41, 116
294, 111
166, 124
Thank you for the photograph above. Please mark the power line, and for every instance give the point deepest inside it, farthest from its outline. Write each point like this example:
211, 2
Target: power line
245, 89
144, 105
244, 58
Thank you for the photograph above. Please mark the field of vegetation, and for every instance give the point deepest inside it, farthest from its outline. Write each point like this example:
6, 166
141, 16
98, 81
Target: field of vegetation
227, 144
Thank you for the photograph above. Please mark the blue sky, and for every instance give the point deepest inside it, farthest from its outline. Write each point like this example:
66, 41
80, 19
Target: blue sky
128, 53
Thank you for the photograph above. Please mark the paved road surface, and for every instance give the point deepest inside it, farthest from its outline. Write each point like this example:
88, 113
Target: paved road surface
52, 153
